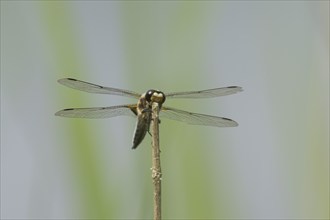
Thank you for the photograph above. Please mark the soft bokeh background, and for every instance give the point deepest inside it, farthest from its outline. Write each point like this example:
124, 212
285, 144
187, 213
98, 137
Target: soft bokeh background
274, 165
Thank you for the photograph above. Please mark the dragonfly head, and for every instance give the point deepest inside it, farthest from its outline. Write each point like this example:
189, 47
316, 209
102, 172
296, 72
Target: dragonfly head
153, 95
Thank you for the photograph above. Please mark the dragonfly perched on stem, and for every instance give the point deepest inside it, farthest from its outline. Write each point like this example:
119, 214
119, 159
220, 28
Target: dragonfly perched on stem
142, 109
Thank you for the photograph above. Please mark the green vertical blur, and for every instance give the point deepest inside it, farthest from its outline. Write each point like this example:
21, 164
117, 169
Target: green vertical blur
86, 170
161, 51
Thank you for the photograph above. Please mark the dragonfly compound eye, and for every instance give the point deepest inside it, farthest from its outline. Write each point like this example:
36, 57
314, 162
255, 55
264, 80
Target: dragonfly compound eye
155, 96
149, 94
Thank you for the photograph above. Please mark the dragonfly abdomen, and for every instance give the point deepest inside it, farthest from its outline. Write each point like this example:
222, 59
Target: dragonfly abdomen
142, 126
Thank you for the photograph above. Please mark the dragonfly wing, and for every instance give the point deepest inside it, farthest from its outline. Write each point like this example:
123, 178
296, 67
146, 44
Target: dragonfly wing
209, 93
93, 88
98, 112
195, 118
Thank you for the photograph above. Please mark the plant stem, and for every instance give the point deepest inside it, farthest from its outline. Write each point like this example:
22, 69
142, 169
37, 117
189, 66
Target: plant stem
156, 173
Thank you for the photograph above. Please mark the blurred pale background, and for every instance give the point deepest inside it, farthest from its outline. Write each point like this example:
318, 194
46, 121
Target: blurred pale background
274, 165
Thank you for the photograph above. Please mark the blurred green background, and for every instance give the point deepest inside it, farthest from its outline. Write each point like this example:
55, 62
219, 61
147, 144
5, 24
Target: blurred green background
275, 165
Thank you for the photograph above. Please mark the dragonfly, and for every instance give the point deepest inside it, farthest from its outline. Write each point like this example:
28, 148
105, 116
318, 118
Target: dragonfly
142, 109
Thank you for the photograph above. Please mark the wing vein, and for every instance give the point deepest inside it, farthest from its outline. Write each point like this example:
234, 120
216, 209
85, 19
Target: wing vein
93, 88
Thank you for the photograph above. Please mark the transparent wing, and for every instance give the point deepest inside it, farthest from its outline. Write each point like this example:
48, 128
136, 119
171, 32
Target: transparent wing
195, 118
209, 93
93, 88
98, 112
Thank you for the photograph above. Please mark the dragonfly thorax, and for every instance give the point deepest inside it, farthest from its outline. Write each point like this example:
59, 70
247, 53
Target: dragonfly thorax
153, 95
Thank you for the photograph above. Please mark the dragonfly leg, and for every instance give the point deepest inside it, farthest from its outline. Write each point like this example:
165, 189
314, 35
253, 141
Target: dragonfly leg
146, 110
149, 110
149, 127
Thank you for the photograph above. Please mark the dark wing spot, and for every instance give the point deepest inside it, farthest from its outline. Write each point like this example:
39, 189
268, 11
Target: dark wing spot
232, 87
133, 110
227, 119
72, 79
68, 109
